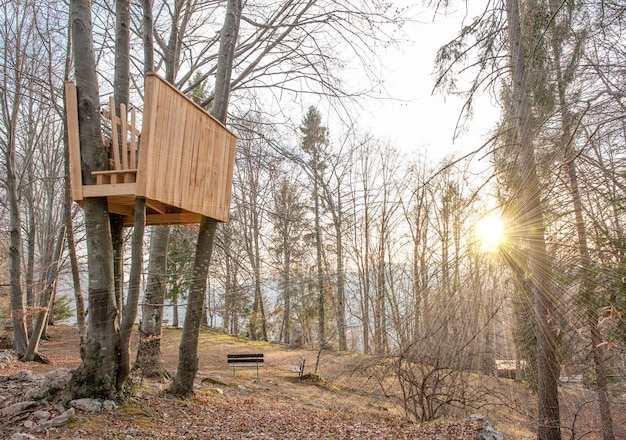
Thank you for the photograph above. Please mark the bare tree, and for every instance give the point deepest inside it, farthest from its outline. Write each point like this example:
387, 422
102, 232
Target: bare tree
532, 225
252, 188
97, 374
182, 384
29, 141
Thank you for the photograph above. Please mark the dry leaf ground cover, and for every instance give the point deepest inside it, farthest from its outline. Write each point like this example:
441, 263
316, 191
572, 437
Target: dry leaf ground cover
236, 405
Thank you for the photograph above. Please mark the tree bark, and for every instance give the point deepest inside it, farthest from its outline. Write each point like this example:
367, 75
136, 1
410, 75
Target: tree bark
20, 336
341, 287
182, 384
319, 280
134, 290
149, 351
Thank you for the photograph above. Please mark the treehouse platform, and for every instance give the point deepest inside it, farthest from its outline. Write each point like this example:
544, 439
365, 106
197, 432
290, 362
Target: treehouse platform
181, 161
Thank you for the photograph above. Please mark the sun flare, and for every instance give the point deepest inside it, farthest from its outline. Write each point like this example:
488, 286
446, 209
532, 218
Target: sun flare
490, 231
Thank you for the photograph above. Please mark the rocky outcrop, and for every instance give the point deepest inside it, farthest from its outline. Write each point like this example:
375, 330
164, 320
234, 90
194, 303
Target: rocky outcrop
29, 404
51, 385
93, 406
489, 432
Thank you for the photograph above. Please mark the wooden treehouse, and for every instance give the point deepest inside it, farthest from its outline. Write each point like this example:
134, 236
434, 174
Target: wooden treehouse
181, 162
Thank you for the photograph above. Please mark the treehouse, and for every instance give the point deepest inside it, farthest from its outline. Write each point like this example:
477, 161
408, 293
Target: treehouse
181, 161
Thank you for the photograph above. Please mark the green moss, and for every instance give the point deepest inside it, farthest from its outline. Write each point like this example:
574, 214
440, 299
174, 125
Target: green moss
312, 377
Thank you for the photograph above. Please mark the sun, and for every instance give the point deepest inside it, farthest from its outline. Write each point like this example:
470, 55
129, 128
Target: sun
490, 233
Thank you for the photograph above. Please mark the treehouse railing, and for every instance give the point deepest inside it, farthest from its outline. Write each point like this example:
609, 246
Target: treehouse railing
121, 146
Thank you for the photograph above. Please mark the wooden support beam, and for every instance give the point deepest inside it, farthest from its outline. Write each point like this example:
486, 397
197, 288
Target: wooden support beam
112, 189
124, 210
156, 206
71, 115
181, 218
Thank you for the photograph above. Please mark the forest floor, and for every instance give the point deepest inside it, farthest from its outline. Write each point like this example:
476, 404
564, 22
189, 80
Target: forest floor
347, 404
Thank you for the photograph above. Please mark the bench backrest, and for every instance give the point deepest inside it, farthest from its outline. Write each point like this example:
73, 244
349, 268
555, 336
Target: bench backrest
245, 357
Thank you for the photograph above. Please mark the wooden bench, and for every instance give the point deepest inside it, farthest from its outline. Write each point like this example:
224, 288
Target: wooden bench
246, 360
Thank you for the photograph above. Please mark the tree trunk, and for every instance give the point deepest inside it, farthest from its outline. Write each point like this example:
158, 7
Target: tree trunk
287, 287
175, 316
134, 289
96, 376
258, 327
340, 306
69, 227
587, 286
148, 358
20, 336
30, 257
79, 299
45, 303
182, 385
364, 301
117, 240
321, 300
549, 426
150, 331
121, 86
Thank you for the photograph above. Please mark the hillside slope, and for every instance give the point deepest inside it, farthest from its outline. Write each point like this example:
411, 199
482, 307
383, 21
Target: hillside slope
231, 405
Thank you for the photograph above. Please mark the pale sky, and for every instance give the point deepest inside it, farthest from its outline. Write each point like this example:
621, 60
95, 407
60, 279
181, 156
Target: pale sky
419, 118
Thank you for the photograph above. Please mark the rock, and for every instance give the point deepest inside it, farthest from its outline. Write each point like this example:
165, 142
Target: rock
297, 338
53, 382
489, 432
213, 379
22, 436
6, 341
31, 426
58, 378
109, 405
18, 407
42, 416
24, 376
93, 405
7, 357
64, 418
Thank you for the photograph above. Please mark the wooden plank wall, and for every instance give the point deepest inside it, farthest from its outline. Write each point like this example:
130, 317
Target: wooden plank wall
186, 157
